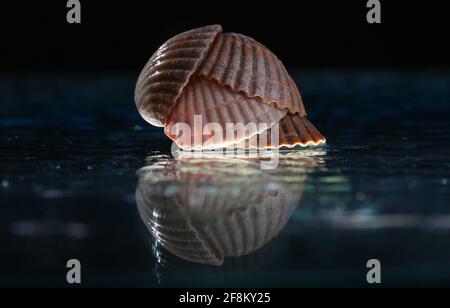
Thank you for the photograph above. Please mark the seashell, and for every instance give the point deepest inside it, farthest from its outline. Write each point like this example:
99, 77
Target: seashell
247, 66
292, 131
168, 71
202, 216
217, 104
221, 78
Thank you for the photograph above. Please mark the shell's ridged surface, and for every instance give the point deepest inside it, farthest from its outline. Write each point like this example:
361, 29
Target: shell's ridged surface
217, 104
168, 71
247, 66
293, 130
213, 74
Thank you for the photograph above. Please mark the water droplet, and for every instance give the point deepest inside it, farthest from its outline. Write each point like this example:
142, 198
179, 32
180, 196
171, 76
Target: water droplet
5, 184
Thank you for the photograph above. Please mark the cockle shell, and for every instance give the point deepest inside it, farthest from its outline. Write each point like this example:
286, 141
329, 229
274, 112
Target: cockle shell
248, 67
223, 78
217, 104
168, 71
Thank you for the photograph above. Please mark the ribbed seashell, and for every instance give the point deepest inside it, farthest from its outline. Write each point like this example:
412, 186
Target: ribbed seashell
168, 71
213, 75
212, 103
247, 66
202, 216
291, 131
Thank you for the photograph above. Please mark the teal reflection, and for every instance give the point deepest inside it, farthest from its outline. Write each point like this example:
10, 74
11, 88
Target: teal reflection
204, 208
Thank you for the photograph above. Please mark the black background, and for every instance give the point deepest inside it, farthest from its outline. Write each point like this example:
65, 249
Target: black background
122, 35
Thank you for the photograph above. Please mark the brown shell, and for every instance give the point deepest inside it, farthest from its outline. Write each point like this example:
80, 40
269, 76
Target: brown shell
247, 66
296, 130
293, 130
168, 71
212, 74
217, 104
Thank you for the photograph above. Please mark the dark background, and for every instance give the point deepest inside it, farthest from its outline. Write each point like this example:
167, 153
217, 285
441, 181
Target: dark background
122, 35
71, 142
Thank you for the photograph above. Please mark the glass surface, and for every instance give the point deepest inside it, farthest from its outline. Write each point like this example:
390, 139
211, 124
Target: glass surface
82, 176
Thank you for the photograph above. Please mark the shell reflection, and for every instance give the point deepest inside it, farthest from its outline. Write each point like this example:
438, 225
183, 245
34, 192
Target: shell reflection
203, 209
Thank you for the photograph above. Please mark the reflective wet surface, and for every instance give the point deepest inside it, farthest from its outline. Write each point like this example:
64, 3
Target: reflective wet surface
203, 209
82, 176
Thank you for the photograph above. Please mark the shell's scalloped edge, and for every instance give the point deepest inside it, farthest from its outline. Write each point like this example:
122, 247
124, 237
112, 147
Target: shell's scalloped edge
276, 104
291, 146
282, 146
306, 144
